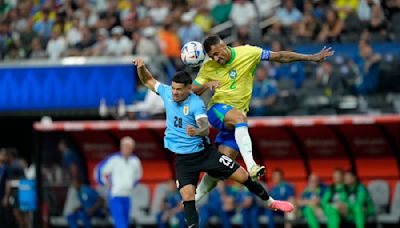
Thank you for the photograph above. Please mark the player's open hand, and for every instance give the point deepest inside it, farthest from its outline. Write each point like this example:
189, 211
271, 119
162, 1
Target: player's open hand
323, 54
138, 62
213, 84
191, 131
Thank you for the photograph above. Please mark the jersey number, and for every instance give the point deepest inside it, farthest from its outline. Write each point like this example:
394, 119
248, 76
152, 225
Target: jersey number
233, 85
178, 122
226, 161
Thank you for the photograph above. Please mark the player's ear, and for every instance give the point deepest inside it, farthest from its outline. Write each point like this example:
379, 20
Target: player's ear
189, 86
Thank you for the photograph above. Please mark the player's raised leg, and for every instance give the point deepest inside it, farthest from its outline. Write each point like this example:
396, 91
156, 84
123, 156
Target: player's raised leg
241, 176
189, 205
235, 119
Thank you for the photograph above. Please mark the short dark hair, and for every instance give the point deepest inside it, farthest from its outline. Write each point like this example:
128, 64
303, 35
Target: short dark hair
210, 41
182, 77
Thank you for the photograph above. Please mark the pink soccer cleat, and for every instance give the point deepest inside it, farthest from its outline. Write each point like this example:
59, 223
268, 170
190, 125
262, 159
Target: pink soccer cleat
284, 206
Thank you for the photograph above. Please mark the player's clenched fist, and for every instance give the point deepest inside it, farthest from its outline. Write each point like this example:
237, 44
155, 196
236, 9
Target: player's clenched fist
191, 131
138, 62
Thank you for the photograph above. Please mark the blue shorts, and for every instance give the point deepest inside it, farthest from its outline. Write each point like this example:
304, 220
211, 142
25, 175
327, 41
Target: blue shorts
225, 136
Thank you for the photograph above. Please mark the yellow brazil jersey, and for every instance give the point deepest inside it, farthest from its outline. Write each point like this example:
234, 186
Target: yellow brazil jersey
236, 77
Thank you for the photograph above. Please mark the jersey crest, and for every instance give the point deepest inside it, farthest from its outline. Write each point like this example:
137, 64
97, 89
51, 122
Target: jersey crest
186, 110
232, 74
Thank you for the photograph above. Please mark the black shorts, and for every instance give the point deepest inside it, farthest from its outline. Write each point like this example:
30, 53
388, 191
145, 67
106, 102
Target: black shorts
189, 166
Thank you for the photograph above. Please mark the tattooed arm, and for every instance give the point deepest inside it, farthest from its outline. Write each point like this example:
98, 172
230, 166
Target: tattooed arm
144, 74
288, 56
203, 129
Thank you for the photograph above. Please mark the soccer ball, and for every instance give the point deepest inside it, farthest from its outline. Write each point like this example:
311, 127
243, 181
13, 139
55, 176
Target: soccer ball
192, 54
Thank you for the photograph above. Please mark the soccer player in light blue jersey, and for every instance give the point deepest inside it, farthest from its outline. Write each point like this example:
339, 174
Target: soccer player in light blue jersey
186, 135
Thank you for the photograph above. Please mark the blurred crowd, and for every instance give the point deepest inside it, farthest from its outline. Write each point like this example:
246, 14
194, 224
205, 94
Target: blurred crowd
345, 201
55, 28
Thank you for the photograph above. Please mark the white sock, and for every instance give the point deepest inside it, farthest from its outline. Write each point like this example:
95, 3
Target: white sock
269, 201
207, 183
243, 140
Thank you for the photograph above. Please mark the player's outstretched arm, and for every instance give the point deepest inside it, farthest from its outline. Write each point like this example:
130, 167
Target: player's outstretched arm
288, 56
144, 74
200, 89
203, 129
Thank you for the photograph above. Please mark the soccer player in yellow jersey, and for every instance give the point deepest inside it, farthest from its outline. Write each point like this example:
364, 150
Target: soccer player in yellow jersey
230, 73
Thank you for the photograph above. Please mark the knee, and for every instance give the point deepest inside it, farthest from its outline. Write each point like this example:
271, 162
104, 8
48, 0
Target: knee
240, 175
188, 193
234, 117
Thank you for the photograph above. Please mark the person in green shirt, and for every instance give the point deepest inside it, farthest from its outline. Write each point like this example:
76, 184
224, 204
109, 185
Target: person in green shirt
334, 200
359, 202
310, 201
221, 11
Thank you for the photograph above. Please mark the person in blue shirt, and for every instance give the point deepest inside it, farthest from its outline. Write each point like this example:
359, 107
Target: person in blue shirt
171, 208
221, 203
281, 190
91, 205
265, 93
248, 207
310, 201
368, 65
194, 153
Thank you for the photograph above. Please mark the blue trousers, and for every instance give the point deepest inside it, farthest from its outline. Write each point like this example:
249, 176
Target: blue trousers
76, 216
120, 209
180, 216
250, 218
207, 212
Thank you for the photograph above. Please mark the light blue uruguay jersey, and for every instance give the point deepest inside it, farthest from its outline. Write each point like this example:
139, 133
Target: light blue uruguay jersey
179, 116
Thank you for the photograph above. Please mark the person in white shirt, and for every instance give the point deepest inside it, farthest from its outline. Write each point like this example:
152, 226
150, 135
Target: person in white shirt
56, 46
120, 173
119, 45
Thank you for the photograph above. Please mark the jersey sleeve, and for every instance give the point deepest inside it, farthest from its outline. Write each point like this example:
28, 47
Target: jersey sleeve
161, 89
202, 78
255, 52
199, 109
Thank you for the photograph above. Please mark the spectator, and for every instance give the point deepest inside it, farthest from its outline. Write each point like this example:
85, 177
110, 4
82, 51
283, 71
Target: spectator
74, 34
119, 44
56, 46
289, 16
3, 176
44, 26
110, 18
146, 44
36, 50
334, 200
247, 203
332, 27
365, 7
368, 67
87, 16
151, 107
328, 82
171, 211
359, 202
308, 28
221, 203
10, 200
203, 19
310, 201
102, 42
27, 36
5, 7
345, 7
377, 25
5, 38
120, 173
70, 160
159, 11
246, 10
189, 31
169, 43
84, 46
91, 205
221, 11
280, 190
265, 93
